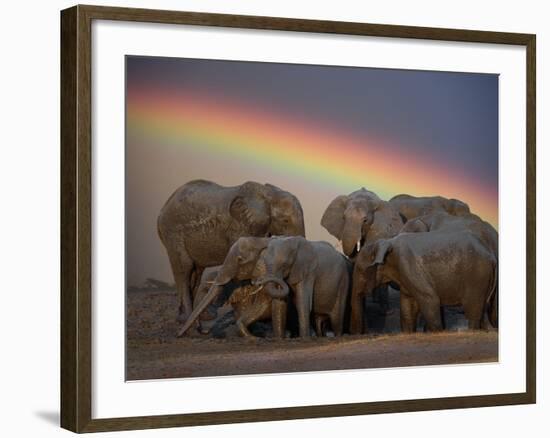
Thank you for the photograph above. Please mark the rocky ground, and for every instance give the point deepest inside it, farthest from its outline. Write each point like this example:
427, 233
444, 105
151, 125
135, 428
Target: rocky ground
154, 352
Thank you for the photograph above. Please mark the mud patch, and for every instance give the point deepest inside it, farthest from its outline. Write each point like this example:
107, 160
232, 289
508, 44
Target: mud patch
153, 352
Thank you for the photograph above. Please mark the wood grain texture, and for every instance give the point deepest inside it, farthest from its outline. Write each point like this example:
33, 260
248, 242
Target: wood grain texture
69, 328
76, 223
531, 213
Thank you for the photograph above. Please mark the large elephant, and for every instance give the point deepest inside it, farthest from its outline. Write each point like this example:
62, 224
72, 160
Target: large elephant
434, 269
346, 216
445, 222
240, 264
410, 206
201, 220
318, 276
441, 221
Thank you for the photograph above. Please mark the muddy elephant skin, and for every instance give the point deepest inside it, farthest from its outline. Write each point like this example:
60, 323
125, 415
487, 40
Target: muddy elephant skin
410, 206
240, 264
346, 215
441, 221
316, 275
250, 303
201, 220
434, 269
444, 222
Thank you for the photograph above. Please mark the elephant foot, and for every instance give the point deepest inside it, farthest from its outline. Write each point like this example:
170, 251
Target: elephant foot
209, 314
182, 317
244, 332
194, 332
191, 332
203, 330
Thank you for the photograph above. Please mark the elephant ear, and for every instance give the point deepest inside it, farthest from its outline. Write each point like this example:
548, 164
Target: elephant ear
250, 248
229, 268
251, 210
244, 250
333, 218
304, 260
374, 205
415, 226
383, 248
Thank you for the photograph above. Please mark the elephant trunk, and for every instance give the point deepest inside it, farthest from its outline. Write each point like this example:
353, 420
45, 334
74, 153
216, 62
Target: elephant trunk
275, 292
351, 237
363, 284
357, 294
212, 294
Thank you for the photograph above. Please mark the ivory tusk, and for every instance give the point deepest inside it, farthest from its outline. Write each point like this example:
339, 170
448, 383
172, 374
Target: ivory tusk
358, 245
258, 289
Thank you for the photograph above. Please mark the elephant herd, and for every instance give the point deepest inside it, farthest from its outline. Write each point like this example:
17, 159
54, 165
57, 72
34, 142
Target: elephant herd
246, 246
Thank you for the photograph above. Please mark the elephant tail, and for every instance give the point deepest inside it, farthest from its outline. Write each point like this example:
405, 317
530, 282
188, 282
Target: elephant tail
492, 299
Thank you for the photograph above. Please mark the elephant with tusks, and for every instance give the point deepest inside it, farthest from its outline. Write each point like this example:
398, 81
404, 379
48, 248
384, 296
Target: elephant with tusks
201, 220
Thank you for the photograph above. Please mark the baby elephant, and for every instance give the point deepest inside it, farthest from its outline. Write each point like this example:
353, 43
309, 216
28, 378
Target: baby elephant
250, 303
440, 268
317, 274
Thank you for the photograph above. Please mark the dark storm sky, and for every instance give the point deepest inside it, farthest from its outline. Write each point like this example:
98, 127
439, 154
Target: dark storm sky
452, 117
448, 121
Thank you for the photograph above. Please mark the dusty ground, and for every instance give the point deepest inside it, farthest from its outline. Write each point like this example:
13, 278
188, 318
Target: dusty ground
153, 352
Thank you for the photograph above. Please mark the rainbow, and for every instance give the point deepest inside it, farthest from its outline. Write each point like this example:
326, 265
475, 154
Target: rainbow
305, 148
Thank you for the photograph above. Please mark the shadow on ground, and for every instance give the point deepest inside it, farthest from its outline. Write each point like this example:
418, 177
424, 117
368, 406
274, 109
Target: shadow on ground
51, 417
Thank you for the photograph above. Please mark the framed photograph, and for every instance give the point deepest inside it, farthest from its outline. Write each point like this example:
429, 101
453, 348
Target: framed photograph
313, 208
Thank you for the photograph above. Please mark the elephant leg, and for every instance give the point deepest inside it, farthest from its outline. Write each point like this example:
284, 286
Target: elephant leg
256, 310
381, 296
319, 321
409, 313
196, 281
474, 325
337, 324
278, 317
442, 313
474, 313
210, 312
356, 323
243, 329
337, 314
182, 268
484, 325
303, 292
430, 307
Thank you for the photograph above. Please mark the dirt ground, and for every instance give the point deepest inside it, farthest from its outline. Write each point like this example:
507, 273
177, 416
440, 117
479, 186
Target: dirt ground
153, 351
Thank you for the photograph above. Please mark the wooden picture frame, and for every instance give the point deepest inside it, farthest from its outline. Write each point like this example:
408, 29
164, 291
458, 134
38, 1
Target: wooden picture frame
76, 218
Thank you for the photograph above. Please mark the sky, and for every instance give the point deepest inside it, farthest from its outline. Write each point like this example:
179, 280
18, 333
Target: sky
316, 131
